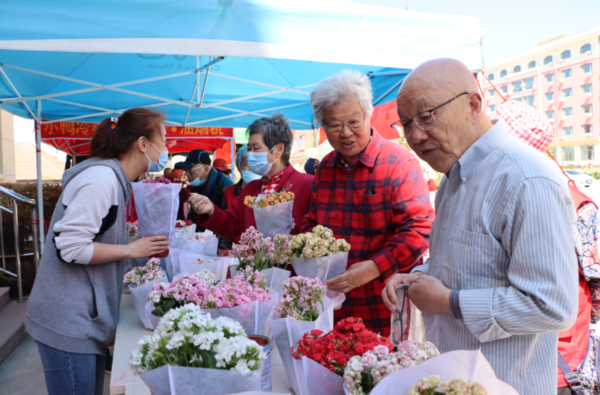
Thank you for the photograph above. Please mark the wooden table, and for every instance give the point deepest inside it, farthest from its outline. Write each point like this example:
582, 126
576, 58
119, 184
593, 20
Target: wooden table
130, 330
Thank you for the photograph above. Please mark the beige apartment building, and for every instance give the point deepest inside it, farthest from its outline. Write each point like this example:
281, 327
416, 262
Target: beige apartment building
560, 78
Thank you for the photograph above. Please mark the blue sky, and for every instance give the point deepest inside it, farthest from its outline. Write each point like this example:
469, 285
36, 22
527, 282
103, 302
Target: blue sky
513, 26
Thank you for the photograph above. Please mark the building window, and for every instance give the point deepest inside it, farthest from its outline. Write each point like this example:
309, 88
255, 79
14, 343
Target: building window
518, 99
568, 154
566, 54
529, 83
517, 86
587, 88
550, 77
568, 130
505, 89
548, 59
587, 108
302, 142
491, 77
503, 73
586, 68
550, 114
587, 129
550, 96
568, 92
585, 48
529, 100
517, 69
492, 108
492, 92
531, 64
568, 111
566, 73
295, 146
587, 152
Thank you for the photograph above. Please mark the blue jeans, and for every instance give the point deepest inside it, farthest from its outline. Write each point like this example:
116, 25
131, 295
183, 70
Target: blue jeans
72, 374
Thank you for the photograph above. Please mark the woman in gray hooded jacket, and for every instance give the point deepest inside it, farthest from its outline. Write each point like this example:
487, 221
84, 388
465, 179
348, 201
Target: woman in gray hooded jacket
74, 305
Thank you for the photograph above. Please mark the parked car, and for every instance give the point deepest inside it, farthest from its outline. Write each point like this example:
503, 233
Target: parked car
581, 180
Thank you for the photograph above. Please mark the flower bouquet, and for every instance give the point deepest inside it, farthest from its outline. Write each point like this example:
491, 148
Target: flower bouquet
302, 308
318, 254
455, 371
269, 256
156, 204
141, 280
273, 212
192, 263
325, 356
191, 351
203, 243
185, 226
243, 298
132, 231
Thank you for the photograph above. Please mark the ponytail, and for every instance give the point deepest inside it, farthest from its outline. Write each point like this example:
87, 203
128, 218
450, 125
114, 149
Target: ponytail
114, 136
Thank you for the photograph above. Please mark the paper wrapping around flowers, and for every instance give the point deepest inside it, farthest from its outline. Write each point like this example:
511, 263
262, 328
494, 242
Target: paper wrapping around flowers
181, 380
140, 299
208, 246
152, 318
287, 332
188, 265
156, 206
319, 380
324, 268
467, 365
275, 220
274, 277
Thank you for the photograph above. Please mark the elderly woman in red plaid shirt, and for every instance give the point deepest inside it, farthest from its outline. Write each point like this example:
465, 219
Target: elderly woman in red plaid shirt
370, 192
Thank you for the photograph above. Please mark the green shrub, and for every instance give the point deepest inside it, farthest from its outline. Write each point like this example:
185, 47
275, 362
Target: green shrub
568, 166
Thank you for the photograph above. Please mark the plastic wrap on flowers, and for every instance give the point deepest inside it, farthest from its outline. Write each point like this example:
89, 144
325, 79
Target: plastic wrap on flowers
274, 220
287, 332
181, 380
466, 365
318, 380
156, 206
151, 317
173, 262
140, 299
188, 265
252, 316
401, 316
274, 277
324, 268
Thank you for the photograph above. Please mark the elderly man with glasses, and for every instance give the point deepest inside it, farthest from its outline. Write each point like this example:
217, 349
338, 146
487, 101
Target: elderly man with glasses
370, 192
502, 273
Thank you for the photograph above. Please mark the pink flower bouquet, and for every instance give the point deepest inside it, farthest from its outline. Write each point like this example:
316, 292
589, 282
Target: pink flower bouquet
141, 280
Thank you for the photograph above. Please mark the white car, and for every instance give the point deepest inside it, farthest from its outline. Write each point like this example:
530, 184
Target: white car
581, 179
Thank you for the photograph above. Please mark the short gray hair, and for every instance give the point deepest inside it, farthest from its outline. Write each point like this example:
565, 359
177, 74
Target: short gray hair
274, 130
339, 88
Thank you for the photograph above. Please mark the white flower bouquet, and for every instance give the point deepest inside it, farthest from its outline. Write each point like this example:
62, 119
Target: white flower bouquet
467, 366
190, 351
432, 385
273, 213
156, 204
140, 281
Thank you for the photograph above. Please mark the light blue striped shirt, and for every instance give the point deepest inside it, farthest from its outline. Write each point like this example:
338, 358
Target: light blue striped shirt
503, 237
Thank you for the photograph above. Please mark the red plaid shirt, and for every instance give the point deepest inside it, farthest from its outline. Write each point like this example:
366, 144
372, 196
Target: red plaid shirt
380, 205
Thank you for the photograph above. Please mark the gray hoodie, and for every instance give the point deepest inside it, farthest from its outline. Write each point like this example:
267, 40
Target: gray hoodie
74, 306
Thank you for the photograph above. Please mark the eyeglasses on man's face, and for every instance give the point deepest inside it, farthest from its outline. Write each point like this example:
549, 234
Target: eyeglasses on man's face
337, 127
424, 120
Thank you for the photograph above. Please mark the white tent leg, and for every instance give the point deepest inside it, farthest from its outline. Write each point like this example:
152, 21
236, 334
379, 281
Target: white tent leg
232, 159
38, 160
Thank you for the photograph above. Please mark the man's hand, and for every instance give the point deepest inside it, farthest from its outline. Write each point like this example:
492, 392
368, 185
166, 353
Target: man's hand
356, 275
201, 204
389, 292
429, 295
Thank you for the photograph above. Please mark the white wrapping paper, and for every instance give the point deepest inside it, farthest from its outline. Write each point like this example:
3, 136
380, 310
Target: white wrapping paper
287, 332
188, 265
318, 380
181, 380
156, 206
208, 246
274, 220
151, 317
467, 365
274, 277
324, 268
140, 298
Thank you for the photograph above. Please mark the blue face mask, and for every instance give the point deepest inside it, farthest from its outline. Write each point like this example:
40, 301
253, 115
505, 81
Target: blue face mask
258, 162
248, 176
197, 182
162, 161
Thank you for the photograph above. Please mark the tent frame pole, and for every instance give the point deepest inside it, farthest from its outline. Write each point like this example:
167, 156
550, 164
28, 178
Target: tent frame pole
38, 158
232, 150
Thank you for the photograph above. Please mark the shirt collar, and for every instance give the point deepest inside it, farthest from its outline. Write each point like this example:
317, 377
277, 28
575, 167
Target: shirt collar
369, 155
480, 149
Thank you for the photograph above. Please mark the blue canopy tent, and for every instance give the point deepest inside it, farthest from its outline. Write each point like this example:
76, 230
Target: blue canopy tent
210, 62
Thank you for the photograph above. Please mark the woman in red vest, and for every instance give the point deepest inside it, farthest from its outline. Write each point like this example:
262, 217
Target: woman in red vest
269, 148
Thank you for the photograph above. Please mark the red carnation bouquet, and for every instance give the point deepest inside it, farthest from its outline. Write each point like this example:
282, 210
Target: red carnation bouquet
334, 349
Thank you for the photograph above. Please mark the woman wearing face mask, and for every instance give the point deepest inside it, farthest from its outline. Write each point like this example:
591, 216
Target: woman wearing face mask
74, 305
269, 149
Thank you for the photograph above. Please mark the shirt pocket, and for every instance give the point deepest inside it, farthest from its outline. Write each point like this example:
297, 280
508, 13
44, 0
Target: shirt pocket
475, 261
371, 214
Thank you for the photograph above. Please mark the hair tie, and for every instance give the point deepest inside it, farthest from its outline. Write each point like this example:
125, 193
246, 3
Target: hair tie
113, 122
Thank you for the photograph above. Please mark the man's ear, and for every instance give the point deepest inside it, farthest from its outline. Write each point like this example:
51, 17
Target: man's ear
475, 104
